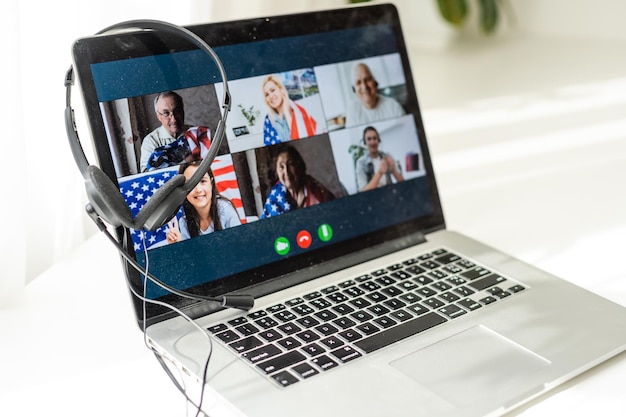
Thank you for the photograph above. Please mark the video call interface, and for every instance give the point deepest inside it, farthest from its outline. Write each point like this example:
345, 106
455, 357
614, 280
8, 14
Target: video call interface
318, 148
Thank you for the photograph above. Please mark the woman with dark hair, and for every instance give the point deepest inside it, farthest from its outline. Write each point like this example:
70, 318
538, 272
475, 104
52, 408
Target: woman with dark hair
294, 188
205, 209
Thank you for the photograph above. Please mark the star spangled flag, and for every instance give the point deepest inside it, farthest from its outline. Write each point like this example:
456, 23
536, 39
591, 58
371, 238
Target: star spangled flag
276, 202
137, 190
270, 135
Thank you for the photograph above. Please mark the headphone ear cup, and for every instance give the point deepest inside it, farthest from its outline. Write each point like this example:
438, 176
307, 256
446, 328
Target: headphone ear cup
162, 205
106, 199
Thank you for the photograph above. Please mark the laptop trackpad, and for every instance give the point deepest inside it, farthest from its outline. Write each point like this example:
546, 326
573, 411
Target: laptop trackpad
470, 366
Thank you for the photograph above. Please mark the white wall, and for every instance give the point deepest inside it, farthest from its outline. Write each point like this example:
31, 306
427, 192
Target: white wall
602, 19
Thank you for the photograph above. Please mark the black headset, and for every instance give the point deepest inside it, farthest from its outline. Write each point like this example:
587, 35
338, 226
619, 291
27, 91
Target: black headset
103, 194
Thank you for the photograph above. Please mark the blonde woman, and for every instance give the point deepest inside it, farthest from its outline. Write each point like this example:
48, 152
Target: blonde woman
286, 120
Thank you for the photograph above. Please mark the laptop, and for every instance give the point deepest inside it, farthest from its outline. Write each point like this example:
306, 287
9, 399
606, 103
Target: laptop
328, 214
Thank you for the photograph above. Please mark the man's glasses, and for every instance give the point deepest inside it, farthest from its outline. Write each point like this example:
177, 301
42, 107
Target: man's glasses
177, 113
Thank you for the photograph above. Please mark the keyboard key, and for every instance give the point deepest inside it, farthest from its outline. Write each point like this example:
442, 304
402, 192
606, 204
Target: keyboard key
368, 328
401, 315
447, 258
486, 282
329, 290
350, 335
324, 362
270, 335
392, 291
321, 303
399, 332
284, 378
433, 303
289, 343
463, 290
344, 322
332, 342
338, 297
379, 310
262, 353
354, 291
362, 316
326, 329
410, 298
289, 328
294, 301
441, 286
246, 344
325, 315
376, 297
285, 316
394, 303
304, 370
303, 309
313, 349
488, 300
360, 302
266, 322
280, 362
227, 336
217, 328
426, 291
384, 321
308, 321
430, 265
236, 322
475, 272
423, 279
418, 309
247, 329
312, 295
452, 311
343, 309
516, 288
276, 308
449, 297
469, 304
307, 336
346, 354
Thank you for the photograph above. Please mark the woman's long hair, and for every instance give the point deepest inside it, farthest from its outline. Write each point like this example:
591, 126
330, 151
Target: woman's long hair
286, 106
191, 214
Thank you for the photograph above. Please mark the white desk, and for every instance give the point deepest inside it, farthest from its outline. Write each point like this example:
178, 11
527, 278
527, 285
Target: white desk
539, 125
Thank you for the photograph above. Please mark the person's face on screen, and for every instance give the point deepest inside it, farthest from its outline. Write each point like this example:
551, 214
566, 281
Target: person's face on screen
288, 172
365, 86
372, 141
171, 115
200, 197
273, 95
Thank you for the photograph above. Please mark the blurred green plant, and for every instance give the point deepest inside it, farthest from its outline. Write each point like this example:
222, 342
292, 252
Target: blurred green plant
250, 113
456, 13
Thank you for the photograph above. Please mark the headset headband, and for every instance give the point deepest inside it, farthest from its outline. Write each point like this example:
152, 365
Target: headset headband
170, 196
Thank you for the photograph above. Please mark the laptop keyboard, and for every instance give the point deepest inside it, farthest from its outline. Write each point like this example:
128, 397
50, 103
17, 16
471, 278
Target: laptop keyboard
320, 330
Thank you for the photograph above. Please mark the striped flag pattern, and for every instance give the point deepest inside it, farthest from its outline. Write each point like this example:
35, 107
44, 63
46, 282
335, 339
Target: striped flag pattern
138, 189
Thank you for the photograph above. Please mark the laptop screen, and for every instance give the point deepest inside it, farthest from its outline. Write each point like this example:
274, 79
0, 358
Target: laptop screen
324, 152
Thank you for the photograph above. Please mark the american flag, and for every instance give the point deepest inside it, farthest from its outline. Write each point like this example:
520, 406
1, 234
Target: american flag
270, 135
137, 190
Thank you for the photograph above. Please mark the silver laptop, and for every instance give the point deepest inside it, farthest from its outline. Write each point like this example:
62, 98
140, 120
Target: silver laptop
327, 213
